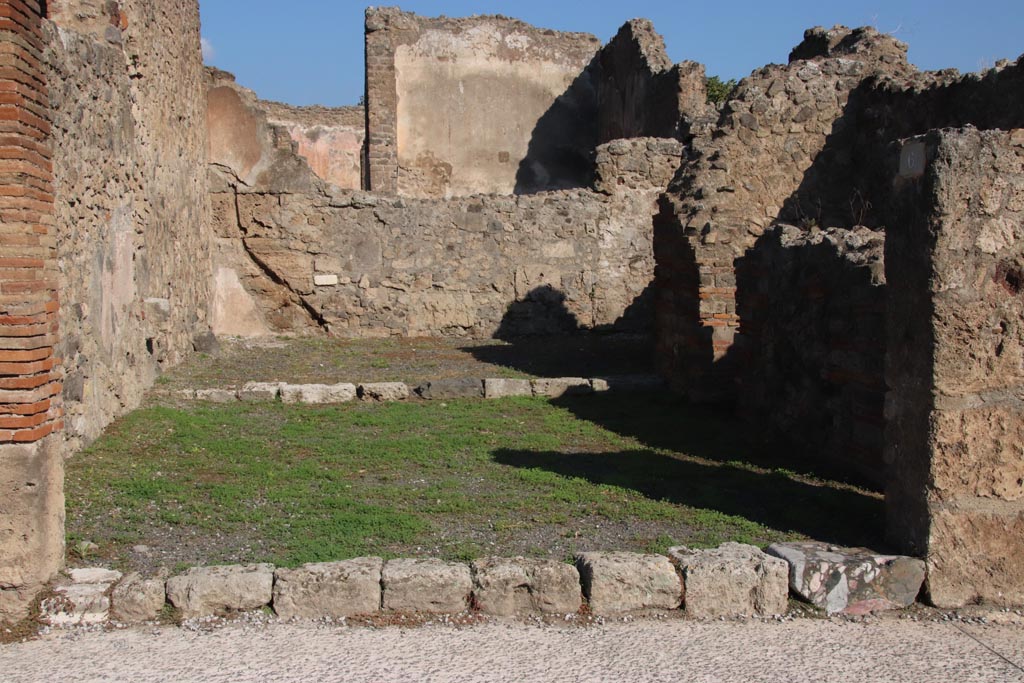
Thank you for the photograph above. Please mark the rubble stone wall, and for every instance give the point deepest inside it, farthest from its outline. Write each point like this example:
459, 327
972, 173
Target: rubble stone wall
812, 341
133, 239
956, 351
476, 106
360, 264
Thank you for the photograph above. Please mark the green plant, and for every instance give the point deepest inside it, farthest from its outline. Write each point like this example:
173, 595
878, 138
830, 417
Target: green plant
718, 91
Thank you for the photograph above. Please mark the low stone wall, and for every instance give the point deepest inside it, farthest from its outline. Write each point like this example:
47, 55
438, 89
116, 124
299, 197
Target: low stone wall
358, 265
812, 344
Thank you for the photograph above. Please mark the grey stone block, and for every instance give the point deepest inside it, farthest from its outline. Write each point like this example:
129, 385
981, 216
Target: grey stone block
316, 394
203, 591
451, 388
383, 391
426, 586
733, 580
503, 388
617, 582
329, 589
135, 600
556, 387
509, 586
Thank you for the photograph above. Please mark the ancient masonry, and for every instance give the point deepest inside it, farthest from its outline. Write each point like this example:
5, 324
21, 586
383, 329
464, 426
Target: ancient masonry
837, 250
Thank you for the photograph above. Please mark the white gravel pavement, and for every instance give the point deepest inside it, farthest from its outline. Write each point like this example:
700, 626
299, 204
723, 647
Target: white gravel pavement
674, 650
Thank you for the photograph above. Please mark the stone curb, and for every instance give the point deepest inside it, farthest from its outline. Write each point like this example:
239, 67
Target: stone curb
384, 392
733, 580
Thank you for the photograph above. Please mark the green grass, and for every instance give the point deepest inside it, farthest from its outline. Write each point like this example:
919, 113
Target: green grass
460, 479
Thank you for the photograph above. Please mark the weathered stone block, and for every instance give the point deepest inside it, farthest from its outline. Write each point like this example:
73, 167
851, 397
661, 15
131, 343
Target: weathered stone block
383, 391
451, 388
617, 582
84, 601
318, 393
506, 587
850, 580
628, 384
979, 452
560, 386
733, 580
203, 591
329, 589
135, 600
216, 395
260, 391
976, 555
426, 586
503, 388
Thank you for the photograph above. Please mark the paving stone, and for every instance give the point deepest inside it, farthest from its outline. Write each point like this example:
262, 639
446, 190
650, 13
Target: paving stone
85, 600
428, 585
217, 395
260, 391
135, 600
618, 582
555, 387
451, 388
850, 580
733, 580
504, 388
318, 393
94, 575
510, 586
628, 384
329, 589
203, 591
383, 391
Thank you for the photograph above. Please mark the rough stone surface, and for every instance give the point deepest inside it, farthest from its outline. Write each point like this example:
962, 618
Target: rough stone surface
384, 391
451, 388
260, 391
617, 582
329, 589
504, 388
733, 580
136, 600
510, 586
318, 393
85, 600
556, 387
203, 591
426, 586
850, 580
216, 395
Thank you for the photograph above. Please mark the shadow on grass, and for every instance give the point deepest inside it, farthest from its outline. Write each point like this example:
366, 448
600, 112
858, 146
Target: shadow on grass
578, 354
697, 457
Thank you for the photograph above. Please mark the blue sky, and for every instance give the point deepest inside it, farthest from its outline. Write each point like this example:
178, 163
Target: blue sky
311, 51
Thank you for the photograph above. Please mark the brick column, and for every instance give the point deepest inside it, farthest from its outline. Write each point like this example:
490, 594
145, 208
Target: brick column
31, 497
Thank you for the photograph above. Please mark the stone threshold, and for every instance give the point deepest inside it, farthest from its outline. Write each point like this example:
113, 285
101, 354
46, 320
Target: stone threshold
732, 581
382, 392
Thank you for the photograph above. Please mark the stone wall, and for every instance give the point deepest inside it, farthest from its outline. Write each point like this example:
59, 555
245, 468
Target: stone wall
133, 243
31, 463
812, 341
329, 139
756, 167
641, 93
457, 107
357, 264
956, 353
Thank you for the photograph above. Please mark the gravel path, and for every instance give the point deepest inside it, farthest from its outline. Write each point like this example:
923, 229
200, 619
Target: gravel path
676, 650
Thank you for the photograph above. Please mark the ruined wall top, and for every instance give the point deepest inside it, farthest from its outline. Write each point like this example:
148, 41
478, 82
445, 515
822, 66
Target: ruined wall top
864, 43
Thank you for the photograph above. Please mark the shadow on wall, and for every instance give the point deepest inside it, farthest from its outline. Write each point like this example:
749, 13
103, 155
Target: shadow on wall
546, 339
561, 151
702, 462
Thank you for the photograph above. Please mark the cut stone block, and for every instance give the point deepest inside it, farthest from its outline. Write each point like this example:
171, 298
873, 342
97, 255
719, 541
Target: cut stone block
733, 580
329, 589
628, 384
451, 388
216, 395
429, 585
259, 391
84, 601
850, 580
506, 587
203, 591
136, 600
503, 388
318, 393
325, 280
383, 391
617, 582
555, 387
